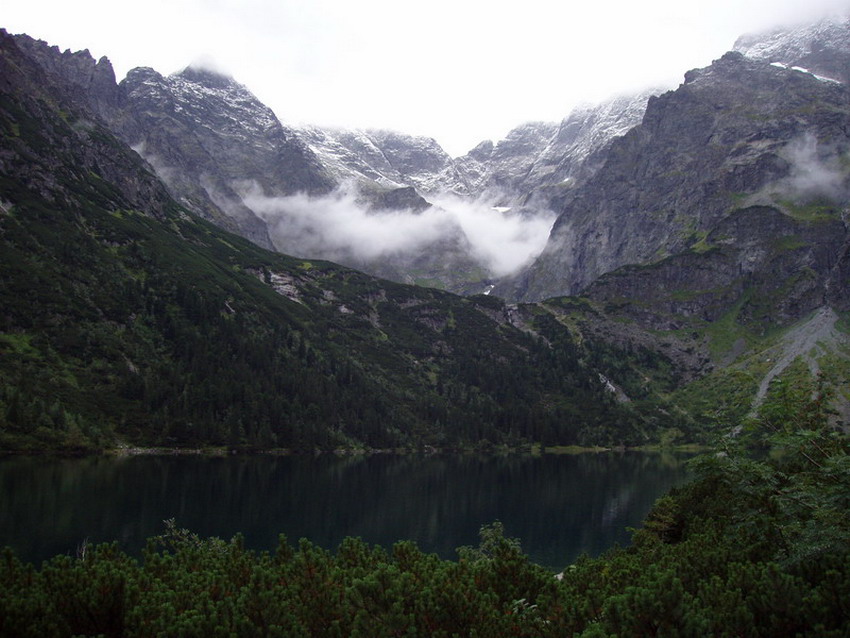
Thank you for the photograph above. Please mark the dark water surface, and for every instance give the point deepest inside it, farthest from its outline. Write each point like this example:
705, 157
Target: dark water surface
559, 506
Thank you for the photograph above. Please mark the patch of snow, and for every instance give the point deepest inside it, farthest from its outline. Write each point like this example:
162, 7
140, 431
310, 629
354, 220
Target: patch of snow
800, 69
788, 47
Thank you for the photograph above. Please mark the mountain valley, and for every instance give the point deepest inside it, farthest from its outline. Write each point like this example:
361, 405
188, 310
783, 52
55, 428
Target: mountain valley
692, 231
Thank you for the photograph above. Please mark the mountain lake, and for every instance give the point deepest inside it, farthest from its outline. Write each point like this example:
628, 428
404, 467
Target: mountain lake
558, 505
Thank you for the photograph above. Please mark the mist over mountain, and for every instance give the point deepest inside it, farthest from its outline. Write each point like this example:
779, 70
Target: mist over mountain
352, 196
822, 47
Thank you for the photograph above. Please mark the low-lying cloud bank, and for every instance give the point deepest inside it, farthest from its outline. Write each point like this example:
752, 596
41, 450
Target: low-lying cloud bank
340, 227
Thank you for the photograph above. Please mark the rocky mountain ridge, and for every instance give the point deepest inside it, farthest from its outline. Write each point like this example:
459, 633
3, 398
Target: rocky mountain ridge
738, 132
385, 159
822, 47
220, 151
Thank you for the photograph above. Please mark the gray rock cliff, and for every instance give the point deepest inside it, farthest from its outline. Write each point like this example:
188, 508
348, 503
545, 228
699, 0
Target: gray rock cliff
740, 132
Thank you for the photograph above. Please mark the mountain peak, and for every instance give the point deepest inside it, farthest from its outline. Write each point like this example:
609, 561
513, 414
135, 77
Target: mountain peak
207, 75
821, 47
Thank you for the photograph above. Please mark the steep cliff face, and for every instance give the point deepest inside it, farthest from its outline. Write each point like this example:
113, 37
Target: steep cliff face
736, 134
91, 83
501, 169
205, 134
70, 149
377, 160
579, 147
771, 267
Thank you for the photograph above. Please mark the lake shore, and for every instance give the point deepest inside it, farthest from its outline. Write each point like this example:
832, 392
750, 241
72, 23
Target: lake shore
534, 450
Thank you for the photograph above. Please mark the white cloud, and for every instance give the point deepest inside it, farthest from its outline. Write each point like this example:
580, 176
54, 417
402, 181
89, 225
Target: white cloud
503, 240
815, 171
338, 227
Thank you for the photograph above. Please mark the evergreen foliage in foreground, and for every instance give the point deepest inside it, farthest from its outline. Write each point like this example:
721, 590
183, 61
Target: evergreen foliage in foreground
750, 548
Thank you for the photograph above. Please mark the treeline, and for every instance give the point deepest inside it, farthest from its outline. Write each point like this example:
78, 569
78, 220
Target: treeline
757, 545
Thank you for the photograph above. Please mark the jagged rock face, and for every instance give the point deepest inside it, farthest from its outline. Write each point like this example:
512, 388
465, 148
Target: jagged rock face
781, 268
502, 168
579, 147
92, 83
420, 159
535, 163
203, 133
733, 134
822, 48
46, 156
540, 164
206, 134
377, 160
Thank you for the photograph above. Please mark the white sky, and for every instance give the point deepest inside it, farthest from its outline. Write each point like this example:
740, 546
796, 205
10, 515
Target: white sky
460, 71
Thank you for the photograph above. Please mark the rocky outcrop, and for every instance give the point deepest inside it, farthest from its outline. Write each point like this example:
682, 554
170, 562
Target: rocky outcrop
90, 83
80, 145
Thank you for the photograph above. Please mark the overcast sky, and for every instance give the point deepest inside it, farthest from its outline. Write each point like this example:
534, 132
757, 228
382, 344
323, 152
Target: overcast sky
460, 71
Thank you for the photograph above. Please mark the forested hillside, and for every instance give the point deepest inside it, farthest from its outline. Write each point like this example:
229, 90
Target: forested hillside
126, 319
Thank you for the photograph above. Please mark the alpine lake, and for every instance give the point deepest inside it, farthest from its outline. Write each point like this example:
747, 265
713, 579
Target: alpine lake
558, 505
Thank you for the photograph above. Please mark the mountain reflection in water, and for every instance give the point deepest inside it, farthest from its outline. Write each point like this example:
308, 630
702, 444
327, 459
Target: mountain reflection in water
559, 506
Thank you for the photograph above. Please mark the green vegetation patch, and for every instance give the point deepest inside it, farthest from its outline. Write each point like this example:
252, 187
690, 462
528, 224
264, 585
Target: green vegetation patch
817, 210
